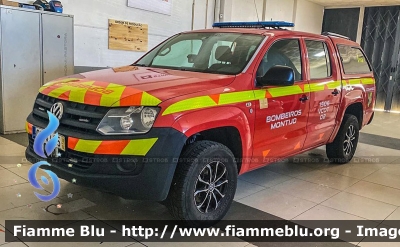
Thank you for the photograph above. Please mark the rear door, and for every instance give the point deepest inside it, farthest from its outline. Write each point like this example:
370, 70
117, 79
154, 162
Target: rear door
282, 113
325, 90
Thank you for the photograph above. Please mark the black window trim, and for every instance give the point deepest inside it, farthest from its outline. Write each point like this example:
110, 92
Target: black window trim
308, 60
366, 59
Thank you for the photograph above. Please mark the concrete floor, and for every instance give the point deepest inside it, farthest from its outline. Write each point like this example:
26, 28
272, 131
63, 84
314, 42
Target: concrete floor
368, 188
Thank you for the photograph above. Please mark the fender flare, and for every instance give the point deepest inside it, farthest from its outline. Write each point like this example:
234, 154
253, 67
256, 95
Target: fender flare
341, 113
211, 118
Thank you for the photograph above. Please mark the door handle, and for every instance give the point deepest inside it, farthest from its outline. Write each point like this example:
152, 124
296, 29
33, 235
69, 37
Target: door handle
304, 98
335, 92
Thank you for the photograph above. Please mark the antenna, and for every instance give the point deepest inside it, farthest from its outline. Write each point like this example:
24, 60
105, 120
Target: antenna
255, 6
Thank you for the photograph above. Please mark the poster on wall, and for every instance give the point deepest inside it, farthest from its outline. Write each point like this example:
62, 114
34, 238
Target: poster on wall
128, 36
158, 6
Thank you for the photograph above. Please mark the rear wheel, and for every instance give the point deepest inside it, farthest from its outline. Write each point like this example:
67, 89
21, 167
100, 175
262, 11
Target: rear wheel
342, 149
204, 184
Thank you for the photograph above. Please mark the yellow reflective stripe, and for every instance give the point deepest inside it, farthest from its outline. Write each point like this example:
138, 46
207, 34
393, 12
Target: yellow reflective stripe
236, 97
78, 95
285, 91
110, 99
354, 81
149, 100
259, 94
368, 81
190, 104
314, 87
139, 147
86, 146
27, 127
334, 84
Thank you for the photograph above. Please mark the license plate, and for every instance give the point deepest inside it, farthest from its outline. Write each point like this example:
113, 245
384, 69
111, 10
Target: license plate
61, 138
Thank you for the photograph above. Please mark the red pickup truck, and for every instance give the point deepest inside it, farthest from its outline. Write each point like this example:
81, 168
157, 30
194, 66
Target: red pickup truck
203, 107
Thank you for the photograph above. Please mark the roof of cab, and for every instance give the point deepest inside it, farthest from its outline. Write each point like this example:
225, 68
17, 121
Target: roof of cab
275, 33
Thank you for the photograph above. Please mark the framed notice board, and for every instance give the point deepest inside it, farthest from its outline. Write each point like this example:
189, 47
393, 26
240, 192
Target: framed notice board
128, 36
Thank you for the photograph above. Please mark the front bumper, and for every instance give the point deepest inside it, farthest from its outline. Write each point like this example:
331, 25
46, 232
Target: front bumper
141, 177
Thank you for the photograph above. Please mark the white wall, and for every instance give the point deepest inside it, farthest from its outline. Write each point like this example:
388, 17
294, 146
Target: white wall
244, 10
91, 27
280, 10
308, 17
91, 22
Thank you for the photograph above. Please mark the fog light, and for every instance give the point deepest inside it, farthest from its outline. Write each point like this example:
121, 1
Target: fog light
127, 166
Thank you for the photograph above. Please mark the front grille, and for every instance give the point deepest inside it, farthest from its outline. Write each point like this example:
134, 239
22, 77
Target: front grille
77, 117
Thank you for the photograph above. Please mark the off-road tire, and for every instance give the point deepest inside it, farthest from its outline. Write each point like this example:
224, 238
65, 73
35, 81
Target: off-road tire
181, 200
338, 151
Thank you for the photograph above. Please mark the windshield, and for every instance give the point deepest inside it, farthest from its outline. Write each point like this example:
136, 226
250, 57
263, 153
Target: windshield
220, 53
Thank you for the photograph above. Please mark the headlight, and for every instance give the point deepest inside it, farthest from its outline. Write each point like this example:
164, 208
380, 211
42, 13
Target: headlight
126, 121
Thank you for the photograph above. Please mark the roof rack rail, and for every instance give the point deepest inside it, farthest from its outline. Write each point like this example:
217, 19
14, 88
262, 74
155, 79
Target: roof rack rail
259, 24
335, 35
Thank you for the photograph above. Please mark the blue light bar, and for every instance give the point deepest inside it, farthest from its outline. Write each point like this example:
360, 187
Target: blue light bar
261, 24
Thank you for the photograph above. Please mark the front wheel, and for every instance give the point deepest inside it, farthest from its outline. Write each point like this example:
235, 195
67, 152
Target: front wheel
204, 184
342, 149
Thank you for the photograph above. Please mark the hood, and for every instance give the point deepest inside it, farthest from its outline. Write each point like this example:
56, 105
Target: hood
132, 86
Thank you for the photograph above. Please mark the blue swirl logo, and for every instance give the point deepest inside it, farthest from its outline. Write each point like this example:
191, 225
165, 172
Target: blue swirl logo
45, 143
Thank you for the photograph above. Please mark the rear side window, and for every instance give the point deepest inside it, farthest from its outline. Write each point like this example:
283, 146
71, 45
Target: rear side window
318, 57
353, 60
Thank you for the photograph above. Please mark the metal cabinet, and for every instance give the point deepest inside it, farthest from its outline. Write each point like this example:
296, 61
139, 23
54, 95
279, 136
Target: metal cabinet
58, 53
35, 47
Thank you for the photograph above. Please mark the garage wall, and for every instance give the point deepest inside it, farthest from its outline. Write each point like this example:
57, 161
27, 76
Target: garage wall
91, 27
306, 15
279, 10
91, 22
243, 10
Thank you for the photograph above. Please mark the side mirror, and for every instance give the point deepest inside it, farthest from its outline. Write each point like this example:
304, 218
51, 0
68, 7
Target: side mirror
277, 76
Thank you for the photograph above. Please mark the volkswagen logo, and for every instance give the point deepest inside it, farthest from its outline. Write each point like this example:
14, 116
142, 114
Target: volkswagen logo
57, 109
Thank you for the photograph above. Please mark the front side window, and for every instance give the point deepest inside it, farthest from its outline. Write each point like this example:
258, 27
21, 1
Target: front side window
221, 53
284, 53
318, 57
354, 61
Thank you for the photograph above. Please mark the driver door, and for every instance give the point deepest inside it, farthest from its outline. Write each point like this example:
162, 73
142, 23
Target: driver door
281, 117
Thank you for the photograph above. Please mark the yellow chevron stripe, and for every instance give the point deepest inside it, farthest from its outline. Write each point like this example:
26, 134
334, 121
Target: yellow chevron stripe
135, 147
110, 99
149, 100
139, 147
78, 95
87, 146
58, 91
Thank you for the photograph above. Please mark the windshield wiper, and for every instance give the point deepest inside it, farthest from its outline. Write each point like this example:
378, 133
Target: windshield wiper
139, 65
